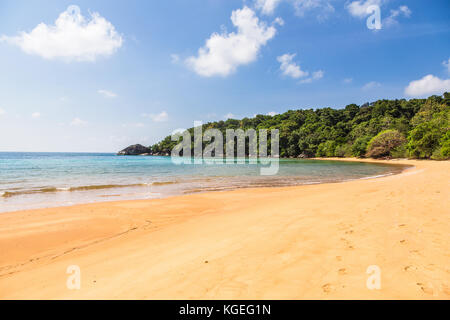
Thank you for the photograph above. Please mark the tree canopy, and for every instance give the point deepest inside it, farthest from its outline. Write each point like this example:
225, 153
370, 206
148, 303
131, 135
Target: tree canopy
416, 128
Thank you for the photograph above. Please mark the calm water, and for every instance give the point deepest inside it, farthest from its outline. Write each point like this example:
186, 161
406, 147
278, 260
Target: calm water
36, 180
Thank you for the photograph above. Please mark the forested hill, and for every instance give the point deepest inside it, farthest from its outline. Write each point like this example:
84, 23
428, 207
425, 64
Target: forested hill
417, 128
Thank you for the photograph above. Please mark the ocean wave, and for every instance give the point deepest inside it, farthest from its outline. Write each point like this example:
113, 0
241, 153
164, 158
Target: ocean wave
162, 183
8, 194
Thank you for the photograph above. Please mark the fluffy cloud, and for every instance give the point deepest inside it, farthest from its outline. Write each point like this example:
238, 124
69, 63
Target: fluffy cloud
78, 122
223, 53
36, 115
107, 94
72, 38
267, 6
159, 117
427, 85
272, 113
315, 76
446, 64
359, 8
2, 112
289, 67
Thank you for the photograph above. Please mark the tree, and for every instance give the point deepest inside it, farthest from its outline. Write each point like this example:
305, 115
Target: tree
359, 147
326, 149
426, 138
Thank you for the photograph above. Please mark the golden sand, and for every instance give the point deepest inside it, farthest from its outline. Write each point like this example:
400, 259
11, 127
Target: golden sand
302, 242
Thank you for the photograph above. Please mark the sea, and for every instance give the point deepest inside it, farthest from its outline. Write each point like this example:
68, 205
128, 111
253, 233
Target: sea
42, 180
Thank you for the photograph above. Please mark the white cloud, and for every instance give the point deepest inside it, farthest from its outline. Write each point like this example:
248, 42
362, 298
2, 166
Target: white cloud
290, 68
107, 94
272, 113
392, 18
223, 53
278, 21
359, 8
72, 38
293, 70
160, 117
428, 85
78, 122
36, 115
315, 76
2, 111
267, 6
371, 85
405, 11
446, 64
229, 116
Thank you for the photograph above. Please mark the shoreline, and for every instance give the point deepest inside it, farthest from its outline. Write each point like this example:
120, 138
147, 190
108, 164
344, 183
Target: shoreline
60, 190
296, 242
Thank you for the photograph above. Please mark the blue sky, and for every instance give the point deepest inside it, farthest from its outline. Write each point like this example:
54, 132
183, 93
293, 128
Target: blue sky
131, 71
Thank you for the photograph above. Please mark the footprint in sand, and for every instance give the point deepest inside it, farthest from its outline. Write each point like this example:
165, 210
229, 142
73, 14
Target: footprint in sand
327, 288
342, 271
408, 268
425, 288
347, 243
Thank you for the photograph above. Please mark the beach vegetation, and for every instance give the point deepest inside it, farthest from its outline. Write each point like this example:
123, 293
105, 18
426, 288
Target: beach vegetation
415, 128
384, 143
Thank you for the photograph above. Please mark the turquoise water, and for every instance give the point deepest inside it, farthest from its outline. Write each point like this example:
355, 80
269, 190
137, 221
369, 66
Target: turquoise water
36, 180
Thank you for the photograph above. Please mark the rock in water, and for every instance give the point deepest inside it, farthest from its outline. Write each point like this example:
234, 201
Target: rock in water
135, 150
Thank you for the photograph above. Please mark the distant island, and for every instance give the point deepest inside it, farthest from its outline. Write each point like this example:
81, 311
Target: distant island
416, 128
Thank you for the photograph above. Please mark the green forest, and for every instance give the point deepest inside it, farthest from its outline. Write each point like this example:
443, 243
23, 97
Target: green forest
416, 128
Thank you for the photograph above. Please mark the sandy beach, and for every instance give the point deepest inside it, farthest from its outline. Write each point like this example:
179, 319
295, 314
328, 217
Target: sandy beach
303, 242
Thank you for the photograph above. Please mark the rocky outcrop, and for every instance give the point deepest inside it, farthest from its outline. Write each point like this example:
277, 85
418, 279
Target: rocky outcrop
135, 150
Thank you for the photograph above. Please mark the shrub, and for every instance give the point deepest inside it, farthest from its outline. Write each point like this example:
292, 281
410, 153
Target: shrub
384, 143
